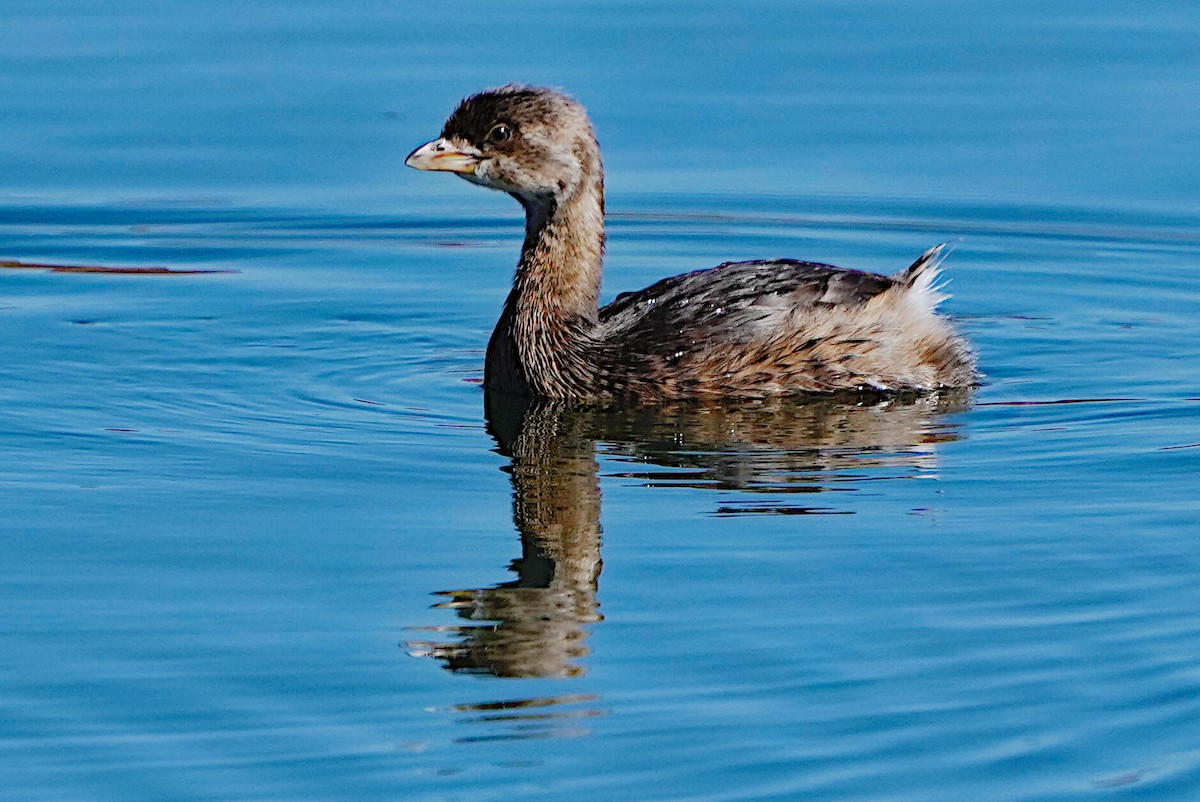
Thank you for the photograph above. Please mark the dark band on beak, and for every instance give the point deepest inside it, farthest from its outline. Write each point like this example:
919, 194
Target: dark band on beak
444, 155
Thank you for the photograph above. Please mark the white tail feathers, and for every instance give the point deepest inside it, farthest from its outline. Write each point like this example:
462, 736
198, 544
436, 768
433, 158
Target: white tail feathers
921, 277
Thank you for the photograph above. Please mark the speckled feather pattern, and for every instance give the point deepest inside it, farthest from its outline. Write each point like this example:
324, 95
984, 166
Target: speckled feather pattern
755, 329
738, 330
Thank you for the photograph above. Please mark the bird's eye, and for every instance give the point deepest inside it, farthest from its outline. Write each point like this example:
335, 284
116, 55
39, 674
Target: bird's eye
500, 134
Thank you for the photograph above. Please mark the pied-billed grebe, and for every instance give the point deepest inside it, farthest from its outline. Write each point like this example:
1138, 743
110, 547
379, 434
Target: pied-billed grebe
741, 329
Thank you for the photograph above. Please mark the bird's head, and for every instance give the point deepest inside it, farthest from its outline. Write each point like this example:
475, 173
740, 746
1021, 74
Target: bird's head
533, 143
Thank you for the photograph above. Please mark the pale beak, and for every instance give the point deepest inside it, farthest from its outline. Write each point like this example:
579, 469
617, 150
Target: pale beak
441, 154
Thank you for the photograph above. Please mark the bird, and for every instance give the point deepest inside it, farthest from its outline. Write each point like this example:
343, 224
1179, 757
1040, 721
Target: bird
741, 330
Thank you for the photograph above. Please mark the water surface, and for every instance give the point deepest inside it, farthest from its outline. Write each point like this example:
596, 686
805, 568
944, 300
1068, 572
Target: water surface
264, 539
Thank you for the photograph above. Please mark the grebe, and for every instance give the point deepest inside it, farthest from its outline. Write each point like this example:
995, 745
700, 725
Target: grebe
738, 330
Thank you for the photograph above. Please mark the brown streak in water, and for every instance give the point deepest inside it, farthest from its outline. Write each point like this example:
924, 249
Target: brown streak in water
1177, 448
8, 264
1053, 403
514, 704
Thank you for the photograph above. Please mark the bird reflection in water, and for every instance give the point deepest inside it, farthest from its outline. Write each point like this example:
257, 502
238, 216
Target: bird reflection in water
783, 456
536, 625
533, 626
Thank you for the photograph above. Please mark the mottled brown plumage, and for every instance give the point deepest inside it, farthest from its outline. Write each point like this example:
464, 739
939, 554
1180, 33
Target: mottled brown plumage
741, 329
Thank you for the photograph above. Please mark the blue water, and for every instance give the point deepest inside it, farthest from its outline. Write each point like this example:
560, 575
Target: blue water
262, 541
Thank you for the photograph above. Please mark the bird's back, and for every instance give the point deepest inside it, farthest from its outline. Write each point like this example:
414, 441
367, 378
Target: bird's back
782, 326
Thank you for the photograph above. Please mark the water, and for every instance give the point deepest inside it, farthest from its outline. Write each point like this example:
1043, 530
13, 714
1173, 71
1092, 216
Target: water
262, 540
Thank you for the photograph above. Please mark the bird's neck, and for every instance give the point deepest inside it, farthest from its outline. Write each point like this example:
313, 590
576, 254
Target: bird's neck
545, 335
559, 271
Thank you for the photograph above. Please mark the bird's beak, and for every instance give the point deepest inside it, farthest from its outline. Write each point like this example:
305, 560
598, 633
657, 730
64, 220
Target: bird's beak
442, 154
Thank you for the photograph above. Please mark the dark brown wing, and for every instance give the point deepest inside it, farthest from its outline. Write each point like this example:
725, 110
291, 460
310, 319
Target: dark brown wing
731, 300
679, 331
